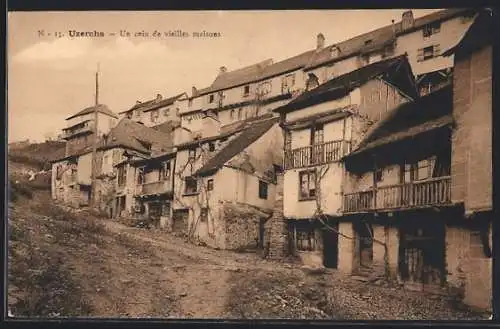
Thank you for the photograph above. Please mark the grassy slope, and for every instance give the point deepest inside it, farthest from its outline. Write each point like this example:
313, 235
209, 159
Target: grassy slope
38, 154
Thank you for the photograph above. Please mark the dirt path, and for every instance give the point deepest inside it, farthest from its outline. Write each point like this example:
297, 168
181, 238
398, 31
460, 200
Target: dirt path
202, 278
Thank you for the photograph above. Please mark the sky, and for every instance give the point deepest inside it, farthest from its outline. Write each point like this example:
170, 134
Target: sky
51, 77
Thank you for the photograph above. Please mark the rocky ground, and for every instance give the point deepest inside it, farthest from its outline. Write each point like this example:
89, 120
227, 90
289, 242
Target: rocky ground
75, 264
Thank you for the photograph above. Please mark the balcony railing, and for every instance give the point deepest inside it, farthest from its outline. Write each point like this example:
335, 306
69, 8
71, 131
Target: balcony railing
430, 192
316, 154
158, 187
85, 127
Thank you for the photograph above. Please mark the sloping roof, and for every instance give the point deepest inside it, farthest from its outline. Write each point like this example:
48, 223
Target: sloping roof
133, 135
342, 85
379, 38
287, 65
410, 119
479, 34
237, 145
237, 77
101, 108
168, 126
154, 103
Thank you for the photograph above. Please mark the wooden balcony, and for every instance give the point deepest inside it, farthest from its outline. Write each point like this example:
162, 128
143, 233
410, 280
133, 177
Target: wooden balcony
318, 154
159, 187
431, 192
86, 127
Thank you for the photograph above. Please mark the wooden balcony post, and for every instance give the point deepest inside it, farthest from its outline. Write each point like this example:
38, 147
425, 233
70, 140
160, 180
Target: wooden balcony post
375, 168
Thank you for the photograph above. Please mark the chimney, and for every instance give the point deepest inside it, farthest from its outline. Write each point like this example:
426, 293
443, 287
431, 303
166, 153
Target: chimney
393, 29
320, 41
222, 69
138, 102
158, 97
407, 20
194, 91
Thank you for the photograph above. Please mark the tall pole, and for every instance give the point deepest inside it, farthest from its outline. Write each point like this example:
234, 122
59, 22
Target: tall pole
94, 144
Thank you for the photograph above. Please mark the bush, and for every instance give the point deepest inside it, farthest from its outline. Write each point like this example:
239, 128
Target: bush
17, 190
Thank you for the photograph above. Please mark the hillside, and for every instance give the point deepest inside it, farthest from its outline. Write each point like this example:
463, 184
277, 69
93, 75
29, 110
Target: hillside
36, 155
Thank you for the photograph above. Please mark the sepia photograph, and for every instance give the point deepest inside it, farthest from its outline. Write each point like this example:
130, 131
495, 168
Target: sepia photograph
250, 164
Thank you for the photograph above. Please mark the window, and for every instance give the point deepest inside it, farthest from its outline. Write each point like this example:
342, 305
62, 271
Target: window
210, 99
240, 114
210, 185
307, 184
431, 29
317, 135
129, 115
203, 214
121, 175
190, 102
190, 185
154, 115
192, 154
246, 90
312, 81
305, 239
365, 59
379, 175
211, 147
265, 88
427, 53
287, 83
166, 112
231, 114
140, 176
423, 170
334, 52
262, 190
165, 170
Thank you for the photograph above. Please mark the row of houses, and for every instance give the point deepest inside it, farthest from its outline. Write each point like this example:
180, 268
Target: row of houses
357, 154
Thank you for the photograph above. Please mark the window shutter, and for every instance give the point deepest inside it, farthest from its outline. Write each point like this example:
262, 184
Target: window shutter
437, 50
420, 55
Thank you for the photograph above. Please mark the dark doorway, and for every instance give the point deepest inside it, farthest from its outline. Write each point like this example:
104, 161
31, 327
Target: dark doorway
364, 243
330, 246
180, 221
422, 254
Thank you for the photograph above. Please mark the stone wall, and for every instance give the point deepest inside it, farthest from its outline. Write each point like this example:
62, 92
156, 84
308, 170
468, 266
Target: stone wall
472, 172
469, 269
346, 247
278, 235
241, 226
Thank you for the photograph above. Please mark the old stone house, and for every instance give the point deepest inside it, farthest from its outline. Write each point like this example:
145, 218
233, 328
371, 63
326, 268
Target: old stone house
71, 174
224, 185
422, 39
468, 242
321, 126
397, 194
80, 127
156, 111
131, 141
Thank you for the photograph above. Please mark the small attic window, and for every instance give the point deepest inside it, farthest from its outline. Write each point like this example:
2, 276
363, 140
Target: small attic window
367, 42
334, 51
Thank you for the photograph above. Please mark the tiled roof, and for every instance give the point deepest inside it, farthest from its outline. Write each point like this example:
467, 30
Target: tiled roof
237, 77
479, 34
379, 37
154, 103
397, 70
167, 127
410, 119
287, 65
228, 130
237, 145
101, 108
132, 135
